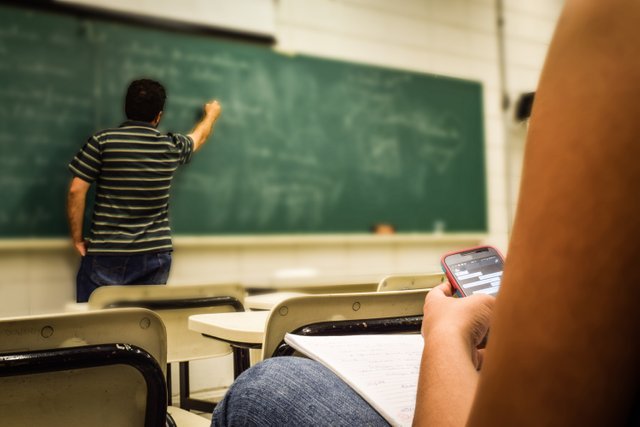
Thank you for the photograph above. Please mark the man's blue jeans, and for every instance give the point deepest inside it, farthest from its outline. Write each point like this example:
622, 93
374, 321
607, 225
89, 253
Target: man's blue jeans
106, 270
293, 391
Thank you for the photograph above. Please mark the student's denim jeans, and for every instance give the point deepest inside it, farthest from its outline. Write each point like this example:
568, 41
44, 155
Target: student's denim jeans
293, 391
103, 270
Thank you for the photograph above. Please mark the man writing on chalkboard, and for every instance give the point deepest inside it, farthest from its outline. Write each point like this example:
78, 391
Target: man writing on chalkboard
132, 165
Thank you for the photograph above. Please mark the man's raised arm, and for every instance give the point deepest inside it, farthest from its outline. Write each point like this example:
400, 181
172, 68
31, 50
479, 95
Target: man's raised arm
204, 127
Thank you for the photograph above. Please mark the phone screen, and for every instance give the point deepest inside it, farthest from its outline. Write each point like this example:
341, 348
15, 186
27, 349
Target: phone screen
479, 275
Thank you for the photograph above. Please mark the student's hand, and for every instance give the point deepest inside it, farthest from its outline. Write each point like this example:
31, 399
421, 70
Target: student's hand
81, 247
212, 109
465, 318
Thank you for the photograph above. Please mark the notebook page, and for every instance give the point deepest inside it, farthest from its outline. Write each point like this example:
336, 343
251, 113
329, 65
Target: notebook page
383, 369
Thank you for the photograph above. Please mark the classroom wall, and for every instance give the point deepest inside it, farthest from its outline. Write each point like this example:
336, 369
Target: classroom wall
449, 37
244, 16
528, 30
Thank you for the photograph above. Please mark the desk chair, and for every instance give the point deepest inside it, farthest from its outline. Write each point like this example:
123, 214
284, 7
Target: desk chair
174, 305
101, 368
343, 314
315, 285
398, 282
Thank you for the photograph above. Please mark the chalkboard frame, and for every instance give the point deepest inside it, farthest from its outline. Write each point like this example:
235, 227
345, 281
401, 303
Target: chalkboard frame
148, 21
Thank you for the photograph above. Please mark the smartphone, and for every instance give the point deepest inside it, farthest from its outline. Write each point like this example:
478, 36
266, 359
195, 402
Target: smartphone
474, 270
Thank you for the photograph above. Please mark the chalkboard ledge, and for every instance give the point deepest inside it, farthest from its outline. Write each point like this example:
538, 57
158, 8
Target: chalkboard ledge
28, 244
183, 241
324, 239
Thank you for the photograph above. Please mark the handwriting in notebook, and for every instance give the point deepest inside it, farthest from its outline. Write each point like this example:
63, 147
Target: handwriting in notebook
383, 369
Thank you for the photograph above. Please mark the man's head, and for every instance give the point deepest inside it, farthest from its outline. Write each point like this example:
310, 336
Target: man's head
145, 100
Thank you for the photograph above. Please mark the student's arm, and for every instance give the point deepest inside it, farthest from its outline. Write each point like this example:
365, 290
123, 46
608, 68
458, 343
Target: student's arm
204, 127
452, 330
76, 201
564, 342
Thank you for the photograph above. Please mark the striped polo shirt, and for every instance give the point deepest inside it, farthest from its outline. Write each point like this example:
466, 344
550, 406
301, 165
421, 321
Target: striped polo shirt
132, 166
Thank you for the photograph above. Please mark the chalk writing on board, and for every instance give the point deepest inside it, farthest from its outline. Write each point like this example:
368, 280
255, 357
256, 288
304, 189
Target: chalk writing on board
145, 67
219, 60
376, 79
33, 218
14, 32
136, 49
8, 161
205, 76
304, 144
186, 101
62, 40
383, 156
214, 210
241, 110
45, 94
44, 69
5, 218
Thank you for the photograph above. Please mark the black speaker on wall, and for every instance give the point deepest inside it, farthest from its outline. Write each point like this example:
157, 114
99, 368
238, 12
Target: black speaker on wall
523, 106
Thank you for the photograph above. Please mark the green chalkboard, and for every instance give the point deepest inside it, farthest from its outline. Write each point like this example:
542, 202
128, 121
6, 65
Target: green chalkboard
304, 145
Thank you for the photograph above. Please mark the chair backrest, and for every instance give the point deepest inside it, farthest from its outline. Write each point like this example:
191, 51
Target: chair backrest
344, 314
103, 368
174, 305
400, 282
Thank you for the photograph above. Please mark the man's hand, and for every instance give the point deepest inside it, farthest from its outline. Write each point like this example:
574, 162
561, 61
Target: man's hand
212, 109
204, 127
81, 247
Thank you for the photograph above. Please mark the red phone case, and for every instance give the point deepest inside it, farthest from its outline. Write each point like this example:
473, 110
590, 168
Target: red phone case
448, 272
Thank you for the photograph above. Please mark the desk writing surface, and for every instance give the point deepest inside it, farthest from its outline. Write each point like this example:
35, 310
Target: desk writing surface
269, 300
241, 327
304, 144
316, 283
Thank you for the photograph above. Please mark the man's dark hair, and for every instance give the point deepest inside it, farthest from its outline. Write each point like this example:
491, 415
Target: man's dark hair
145, 99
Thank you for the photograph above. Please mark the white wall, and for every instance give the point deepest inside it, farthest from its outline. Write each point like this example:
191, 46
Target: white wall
449, 37
528, 30
246, 16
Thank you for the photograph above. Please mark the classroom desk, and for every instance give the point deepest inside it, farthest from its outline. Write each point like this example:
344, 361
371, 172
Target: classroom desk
75, 307
317, 284
269, 300
243, 330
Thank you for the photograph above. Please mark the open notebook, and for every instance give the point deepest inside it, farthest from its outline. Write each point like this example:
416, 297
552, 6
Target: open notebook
383, 369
